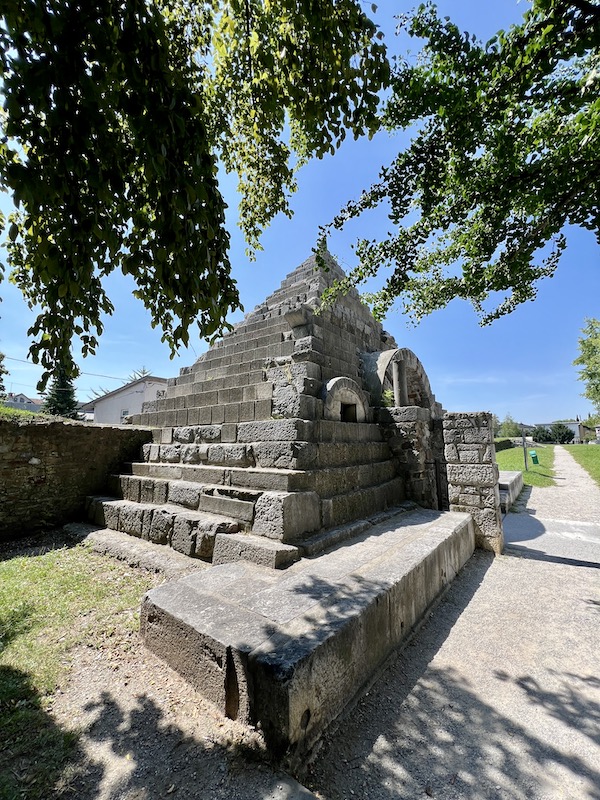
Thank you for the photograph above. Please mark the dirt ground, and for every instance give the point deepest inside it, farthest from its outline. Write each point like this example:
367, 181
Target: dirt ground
497, 696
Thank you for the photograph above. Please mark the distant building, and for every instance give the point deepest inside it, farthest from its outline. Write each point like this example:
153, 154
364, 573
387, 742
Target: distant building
23, 402
580, 431
114, 406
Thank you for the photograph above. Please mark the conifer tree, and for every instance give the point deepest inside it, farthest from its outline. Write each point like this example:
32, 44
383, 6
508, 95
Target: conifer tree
3, 372
60, 399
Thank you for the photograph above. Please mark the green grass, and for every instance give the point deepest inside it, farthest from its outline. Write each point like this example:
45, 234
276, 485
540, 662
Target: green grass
588, 456
541, 474
50, 601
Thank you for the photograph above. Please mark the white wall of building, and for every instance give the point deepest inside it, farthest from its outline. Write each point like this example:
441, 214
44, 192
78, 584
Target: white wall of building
121, 403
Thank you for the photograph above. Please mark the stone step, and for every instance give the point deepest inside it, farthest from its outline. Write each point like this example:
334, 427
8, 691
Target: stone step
361, 503
326, 482
226, 501
254, 549
252, 477
292, 455
189, 532
289, 651
326, 540
510, 484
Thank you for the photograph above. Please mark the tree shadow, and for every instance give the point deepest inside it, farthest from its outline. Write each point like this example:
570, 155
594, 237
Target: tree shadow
35, 751
424, 730
38, 543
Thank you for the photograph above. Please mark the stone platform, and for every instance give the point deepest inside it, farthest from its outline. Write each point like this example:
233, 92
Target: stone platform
287, 651
510, 485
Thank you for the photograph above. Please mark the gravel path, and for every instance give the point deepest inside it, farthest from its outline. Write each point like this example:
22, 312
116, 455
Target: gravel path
575, 497
497, 697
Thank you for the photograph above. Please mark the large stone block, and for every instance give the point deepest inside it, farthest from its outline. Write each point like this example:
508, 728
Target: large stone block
184, 494
287, 516
275, 431
233, 455
472, 474
285, 455
290, 651
255, 549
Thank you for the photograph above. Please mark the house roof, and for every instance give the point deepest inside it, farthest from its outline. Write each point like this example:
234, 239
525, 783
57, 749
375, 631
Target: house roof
145, 379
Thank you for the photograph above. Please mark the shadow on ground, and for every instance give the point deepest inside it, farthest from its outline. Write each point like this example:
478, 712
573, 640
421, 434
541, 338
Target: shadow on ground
425, 731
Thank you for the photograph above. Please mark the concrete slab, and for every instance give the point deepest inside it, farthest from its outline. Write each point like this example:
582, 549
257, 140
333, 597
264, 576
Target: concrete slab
288, 651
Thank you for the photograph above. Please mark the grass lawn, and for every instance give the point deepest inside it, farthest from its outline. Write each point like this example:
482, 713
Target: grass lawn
588, 456
51, 599
541, 474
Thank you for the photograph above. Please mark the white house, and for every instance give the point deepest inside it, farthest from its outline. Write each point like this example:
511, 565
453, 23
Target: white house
116, 405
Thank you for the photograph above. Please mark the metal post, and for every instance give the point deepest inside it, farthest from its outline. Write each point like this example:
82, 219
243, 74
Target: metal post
524, 447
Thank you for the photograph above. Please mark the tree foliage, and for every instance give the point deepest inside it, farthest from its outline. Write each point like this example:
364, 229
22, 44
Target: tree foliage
589, 361
506, 153
115, 115
541, 434
560, 433
3, 372
60, 399
509, 427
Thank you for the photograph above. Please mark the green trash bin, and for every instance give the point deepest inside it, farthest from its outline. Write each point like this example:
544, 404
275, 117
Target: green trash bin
534, 457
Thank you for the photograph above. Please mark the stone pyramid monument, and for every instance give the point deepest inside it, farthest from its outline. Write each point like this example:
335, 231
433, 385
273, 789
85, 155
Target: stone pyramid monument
275, 436
303, 433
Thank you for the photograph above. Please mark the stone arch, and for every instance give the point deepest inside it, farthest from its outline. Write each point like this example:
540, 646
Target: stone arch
401, 371
344, 400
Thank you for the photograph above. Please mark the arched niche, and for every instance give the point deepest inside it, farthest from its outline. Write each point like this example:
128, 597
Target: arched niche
345, 401
401, 371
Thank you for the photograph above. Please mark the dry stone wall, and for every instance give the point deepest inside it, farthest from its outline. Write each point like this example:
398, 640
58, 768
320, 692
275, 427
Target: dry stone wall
48, 468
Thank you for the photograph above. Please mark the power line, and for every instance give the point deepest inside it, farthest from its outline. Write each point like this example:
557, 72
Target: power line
90, 374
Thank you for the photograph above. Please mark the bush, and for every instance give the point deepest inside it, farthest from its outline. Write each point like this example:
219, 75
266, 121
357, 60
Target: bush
503, 444
541, 434
561, 434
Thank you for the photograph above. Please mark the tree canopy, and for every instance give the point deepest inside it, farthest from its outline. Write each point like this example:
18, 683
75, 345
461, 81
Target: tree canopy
506, 153
589, 361
116, 114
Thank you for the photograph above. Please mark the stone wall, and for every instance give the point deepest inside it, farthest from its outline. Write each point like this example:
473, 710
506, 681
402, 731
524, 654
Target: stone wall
48, 468
473, 474
409, 432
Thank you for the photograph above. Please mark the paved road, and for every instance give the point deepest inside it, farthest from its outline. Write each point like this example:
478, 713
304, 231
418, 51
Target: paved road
497, 697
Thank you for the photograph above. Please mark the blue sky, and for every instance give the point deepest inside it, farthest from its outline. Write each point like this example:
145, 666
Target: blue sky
521, 364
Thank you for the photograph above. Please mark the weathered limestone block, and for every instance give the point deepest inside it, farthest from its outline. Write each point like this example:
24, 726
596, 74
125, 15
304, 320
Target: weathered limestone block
183, 537
135, 520
161, 527
280, 430
473, 474
285, 455
191, 454
170, 453
184, 494
257, 549
287, 516
233, 455
184, 435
